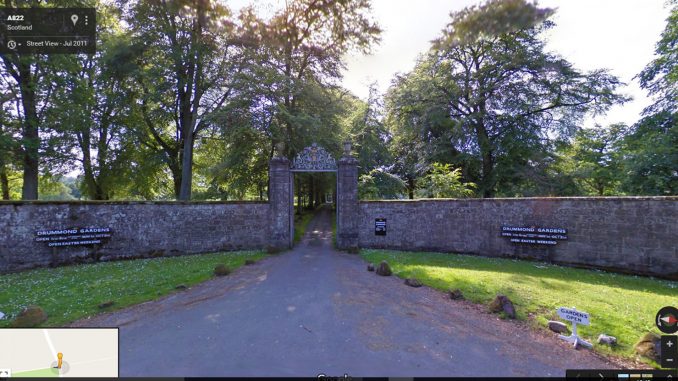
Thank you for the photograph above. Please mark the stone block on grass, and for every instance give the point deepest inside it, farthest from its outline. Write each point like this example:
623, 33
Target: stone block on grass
384, 269
503, 304
221, 270
30, 317
558, 327
106, 304
456, 294
649, 346
412, 282
608, 340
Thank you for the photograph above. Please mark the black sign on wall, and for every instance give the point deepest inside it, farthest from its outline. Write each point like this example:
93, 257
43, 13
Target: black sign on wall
379, 226
534, 235
73, 236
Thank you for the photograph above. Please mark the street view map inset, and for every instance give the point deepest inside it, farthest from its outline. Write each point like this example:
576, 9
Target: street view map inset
58, 352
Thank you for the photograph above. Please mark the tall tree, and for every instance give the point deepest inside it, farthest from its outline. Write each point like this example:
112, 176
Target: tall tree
368, 133
444, 182
183, 75
650, 156
26, 72
660, 76
422, 132
380, 185
503, 94
88, 109
593, 159
7, 140
307, 41
651, 149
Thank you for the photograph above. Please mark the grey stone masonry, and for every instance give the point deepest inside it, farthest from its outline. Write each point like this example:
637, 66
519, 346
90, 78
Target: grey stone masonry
139, 230
347, 203
636, 235
281, 203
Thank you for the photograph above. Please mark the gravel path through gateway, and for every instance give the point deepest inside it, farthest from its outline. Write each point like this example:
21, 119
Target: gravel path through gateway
316, 310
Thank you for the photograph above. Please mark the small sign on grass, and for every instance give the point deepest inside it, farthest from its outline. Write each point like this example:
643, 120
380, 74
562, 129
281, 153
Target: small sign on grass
576, 317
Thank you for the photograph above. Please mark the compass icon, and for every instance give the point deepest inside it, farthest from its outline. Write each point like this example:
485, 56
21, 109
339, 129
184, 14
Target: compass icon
667, 320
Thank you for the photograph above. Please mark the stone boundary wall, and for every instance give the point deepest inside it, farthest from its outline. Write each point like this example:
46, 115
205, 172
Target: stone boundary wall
625, 234
140, 229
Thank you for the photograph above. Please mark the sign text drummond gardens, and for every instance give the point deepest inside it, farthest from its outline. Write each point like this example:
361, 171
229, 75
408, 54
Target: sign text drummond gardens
533, 234
73, 236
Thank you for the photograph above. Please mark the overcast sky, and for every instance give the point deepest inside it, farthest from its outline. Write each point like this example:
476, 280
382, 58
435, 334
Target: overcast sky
619, 35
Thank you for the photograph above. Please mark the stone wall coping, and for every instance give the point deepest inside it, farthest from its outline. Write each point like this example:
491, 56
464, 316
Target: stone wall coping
108, 202
519, 199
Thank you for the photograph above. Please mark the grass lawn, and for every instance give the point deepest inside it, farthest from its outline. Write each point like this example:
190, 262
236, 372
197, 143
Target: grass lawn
74, 292
619, 305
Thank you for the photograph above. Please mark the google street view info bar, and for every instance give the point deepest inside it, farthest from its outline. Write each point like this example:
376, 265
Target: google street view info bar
47, 30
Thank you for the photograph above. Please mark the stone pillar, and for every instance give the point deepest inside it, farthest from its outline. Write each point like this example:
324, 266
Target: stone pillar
279, 203
347, 202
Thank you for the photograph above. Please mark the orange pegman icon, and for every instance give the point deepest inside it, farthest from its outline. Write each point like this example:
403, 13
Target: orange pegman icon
60, 356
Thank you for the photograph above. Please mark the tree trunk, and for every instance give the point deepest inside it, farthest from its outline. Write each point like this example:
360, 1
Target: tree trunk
102, 160
30, 139
488, 172
312, 194
187, 165
176, 178
90, 181
270, 157
92, 189
4, 182
190, 90
487, 181
186, 119
410, 188
318, 196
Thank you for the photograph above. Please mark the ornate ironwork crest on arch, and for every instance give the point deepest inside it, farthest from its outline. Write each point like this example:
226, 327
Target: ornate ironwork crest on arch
314, 159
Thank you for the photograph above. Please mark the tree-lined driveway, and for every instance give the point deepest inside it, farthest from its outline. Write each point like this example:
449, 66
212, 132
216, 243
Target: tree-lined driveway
316, 310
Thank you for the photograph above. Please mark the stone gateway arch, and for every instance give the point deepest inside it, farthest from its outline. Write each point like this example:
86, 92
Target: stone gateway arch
313, 159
